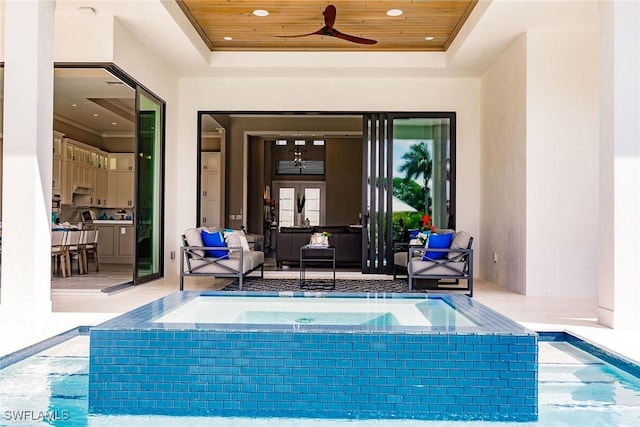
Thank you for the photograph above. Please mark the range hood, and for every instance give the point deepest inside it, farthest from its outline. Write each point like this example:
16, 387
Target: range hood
82, 190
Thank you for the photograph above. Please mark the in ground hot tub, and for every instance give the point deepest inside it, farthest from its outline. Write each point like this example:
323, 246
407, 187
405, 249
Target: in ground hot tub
315, 355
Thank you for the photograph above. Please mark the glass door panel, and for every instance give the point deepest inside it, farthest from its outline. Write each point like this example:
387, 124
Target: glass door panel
409, 171
421, 172
149, 189
312, 206
290, 193
286, 209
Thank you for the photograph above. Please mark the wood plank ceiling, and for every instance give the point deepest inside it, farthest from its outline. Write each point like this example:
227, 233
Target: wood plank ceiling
420, 21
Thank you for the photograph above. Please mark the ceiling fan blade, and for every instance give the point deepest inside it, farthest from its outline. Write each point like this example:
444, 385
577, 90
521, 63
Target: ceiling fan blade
329, 16
322, 32
328, 30
350, 38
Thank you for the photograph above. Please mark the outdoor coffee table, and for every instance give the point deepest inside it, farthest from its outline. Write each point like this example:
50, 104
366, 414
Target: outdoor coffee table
317, 254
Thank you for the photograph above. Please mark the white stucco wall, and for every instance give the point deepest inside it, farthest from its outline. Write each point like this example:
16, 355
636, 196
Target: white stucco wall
619, 244
562, 176
114, 43
336, 94
84, 38
503, 169
540, 165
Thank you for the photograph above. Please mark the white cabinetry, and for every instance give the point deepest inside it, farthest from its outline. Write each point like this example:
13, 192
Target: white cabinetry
120, 179
102, 188
120, 190
56, 170
210, 183
121, 162
80, 166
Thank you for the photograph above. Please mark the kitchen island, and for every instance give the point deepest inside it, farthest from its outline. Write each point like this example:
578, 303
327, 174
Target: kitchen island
116, 241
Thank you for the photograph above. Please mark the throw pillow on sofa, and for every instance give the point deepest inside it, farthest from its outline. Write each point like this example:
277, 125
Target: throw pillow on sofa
236, 239
438, 241
215, 239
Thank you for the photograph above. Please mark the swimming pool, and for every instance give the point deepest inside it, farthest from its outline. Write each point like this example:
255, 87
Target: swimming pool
576, 388
459, 360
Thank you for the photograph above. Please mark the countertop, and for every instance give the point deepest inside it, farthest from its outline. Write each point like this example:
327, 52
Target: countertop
113, 221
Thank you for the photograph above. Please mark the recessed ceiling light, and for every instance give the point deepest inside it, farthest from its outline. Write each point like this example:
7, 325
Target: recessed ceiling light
260, 12
394, 12
429, 38
114, 123
95, 114
74, 105
228, 38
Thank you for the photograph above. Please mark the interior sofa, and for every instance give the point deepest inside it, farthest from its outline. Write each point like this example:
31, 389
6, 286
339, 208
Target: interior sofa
233, 260
346, 239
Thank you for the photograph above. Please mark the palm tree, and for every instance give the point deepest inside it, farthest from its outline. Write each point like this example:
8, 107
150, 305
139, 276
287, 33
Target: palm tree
418, 163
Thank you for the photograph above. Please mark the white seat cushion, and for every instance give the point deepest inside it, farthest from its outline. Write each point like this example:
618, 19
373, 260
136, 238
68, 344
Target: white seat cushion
250, 260
431, 268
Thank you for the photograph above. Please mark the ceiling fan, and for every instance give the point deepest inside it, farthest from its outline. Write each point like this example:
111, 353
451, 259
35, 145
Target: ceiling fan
328, 30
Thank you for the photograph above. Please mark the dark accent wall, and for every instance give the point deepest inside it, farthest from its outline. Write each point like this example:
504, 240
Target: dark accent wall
237, 126
343, 179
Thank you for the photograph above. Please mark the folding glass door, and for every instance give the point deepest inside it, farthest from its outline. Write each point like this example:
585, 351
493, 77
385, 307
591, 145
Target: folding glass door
409, 164
149, 188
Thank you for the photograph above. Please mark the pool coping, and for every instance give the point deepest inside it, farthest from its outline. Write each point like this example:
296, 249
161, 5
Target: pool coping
620, 361
608, 356
23, 353
488, 320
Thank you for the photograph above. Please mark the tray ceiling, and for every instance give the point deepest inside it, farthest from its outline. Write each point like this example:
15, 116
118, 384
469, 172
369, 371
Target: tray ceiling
420, 19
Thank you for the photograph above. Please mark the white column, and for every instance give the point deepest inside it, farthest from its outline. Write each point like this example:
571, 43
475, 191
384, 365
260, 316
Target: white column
27, 155
619, 278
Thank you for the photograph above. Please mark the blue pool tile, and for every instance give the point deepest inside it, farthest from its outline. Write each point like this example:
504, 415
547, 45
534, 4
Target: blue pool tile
335, 372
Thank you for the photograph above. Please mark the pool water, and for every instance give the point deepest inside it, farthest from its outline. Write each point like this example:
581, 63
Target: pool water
318, 311
304, 317
576, 389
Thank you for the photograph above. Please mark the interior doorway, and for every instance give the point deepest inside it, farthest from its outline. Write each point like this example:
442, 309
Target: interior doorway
300, 203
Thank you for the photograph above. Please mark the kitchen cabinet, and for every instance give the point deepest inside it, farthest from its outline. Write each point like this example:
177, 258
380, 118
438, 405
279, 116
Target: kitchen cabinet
56, 175
101, 188
56, 171
120, 179
120, 190
80, 166
116, 241
210, 184
106, 246
123, 162
67, 183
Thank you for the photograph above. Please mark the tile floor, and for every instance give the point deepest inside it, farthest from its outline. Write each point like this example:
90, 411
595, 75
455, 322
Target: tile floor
75, 307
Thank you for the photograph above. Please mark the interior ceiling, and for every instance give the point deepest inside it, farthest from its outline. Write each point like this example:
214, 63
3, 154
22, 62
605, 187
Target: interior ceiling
215, 20
94, 100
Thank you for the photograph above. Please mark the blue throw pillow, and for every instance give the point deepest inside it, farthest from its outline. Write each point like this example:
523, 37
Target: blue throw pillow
438, 241
215, 239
